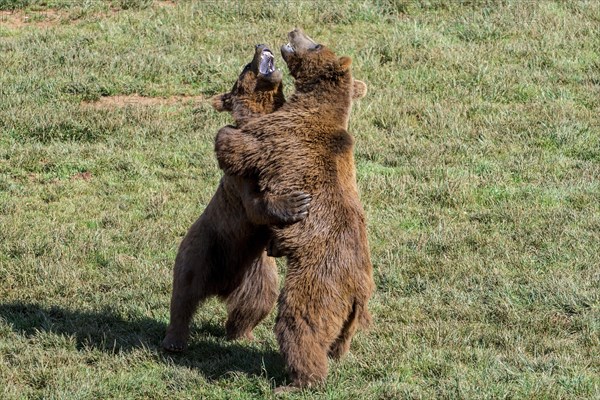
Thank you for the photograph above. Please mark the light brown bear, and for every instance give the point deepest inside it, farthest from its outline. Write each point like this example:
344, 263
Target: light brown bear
223, 253
304, 146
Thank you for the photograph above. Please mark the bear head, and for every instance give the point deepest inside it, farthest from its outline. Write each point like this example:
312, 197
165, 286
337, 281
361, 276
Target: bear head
258, 90
307, 59
313, 64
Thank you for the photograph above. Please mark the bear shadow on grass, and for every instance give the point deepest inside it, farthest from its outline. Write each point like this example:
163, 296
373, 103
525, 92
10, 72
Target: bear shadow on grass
208, 351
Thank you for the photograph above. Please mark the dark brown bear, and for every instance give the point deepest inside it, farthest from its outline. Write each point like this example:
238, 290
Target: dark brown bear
223, 253
305, 147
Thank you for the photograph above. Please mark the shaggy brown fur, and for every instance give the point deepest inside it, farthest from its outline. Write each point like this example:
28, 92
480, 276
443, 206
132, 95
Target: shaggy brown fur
223, 253
304, 146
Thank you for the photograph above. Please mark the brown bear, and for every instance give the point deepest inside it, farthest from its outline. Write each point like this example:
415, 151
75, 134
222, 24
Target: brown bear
304, 146
223, 253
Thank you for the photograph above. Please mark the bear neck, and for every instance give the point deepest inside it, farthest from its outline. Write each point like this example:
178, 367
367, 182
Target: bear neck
332, 98
246, 108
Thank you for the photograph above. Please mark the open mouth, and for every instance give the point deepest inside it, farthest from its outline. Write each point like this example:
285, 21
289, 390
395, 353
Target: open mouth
266, 66
298, 41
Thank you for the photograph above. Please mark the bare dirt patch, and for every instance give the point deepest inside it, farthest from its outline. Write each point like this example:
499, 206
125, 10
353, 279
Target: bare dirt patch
50, 17
85, 176
137, 100
165, 3
20, 19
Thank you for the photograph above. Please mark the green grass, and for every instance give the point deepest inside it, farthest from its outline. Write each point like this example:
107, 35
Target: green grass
478, 158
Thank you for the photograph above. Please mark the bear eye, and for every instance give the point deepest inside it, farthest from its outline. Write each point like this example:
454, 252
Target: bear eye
246, 68
317, 47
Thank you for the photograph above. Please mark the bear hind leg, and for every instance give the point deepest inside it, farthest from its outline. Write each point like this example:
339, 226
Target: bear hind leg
253, 299
305, 340
304, 353
341, 346
189, 290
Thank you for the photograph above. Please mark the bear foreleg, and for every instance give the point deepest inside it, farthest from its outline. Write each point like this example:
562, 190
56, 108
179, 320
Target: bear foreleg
238, 153
267, 208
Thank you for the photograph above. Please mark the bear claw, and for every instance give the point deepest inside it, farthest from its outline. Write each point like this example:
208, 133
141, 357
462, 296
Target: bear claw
174, 346
296, 209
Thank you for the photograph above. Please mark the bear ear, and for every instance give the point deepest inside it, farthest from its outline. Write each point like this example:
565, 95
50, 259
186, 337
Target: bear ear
359, 89
222, 102
345, 62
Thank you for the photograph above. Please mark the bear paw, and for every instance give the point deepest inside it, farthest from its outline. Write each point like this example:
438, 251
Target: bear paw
174, 345
292, 207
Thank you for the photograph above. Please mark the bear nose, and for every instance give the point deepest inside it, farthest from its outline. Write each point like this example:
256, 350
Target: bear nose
258, 46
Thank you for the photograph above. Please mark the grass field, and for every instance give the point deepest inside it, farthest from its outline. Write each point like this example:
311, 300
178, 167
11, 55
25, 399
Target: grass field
478, 159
